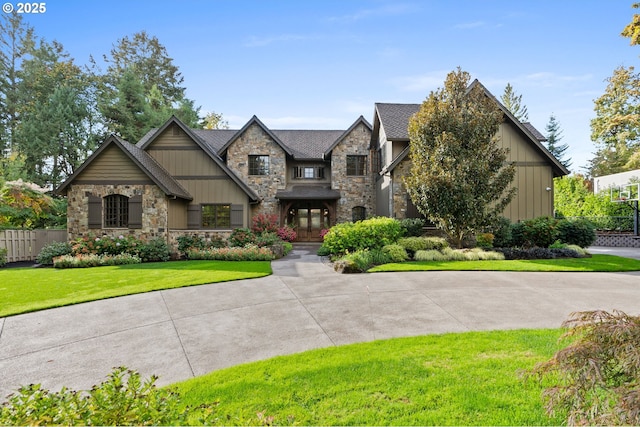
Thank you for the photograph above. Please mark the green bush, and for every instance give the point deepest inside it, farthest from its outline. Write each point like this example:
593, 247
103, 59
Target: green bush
3, 257
412, 226
485, 240
241, 237
448, 254
372, 233
323, 251
93, 260
579, 250
414, 244
502, 232
594, 381
123, 399
52, 250
286, 248
247, 253
541, 232
364, 259
266, 238
153, 251
194, 241
577, 232
396, 253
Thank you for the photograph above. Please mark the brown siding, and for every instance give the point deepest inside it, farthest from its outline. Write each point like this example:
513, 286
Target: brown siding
112, 164
186, 163
173, 136
177, 214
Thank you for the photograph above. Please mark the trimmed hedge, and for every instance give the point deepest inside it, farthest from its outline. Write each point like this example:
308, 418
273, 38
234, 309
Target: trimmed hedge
372, 233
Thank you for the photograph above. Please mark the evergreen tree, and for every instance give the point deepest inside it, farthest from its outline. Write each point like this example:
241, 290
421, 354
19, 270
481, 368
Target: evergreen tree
513, 103
554, 135
459, 177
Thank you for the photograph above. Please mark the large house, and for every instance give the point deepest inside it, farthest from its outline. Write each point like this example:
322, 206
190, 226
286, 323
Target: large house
178, 180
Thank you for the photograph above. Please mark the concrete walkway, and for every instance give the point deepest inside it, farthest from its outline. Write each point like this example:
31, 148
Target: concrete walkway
181, 333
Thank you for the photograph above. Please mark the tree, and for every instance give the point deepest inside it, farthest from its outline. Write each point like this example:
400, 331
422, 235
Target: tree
53, 133
513, 103
632, 30
459, 178
554, 135
616, 128
214, 120
16, 41
142, 88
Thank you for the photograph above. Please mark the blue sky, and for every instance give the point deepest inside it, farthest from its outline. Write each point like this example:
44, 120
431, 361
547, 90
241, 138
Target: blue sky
322, 64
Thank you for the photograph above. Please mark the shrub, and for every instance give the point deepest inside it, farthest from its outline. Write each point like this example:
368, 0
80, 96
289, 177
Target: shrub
501, 230
287, 234
266, 238
412, 226
286, 248
247, 253
396, 253
538, 253
323, 251
579, 250
186, 242
577, 232
105, 245
264, 223
52, 250
429, 255
484, 240
93, 260
372, 233
154, 250
123, 399
541, 232
414, 244
241, 237
364, 259
3, 257
595, 379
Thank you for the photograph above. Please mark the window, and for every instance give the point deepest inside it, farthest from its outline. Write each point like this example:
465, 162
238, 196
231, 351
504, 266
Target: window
308, 172
356, 165
258, 165
216, 216
116, 211
358, 213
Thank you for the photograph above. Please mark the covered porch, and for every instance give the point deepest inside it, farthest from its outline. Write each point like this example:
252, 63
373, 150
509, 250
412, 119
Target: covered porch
308, 209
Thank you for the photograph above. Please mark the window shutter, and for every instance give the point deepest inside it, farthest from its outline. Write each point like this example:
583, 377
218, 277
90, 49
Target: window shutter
194, 217
95, 211
135, 212
237, 216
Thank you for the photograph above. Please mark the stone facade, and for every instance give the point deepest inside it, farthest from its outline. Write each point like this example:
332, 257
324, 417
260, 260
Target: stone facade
154, 210
354, 190
399, 190
255, 141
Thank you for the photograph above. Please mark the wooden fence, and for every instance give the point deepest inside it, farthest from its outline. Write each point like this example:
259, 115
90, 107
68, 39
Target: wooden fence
25, 245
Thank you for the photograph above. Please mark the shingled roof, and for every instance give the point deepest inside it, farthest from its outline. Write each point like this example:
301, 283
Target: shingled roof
143, 160
395, 118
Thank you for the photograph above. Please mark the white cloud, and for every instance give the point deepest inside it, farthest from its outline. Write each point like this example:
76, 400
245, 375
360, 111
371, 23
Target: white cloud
385, 10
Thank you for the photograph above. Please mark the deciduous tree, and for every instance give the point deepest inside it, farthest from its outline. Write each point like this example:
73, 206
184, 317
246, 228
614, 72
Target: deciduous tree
459, 178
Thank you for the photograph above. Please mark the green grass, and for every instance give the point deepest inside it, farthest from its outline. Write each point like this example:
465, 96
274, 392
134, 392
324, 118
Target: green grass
452, 379
605, 263
29, 289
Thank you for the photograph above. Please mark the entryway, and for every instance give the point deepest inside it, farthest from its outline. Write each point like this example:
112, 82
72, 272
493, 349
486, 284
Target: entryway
308, 220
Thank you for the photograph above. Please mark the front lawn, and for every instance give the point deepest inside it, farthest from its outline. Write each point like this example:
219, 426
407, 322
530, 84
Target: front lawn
604, 263
30, 289
452, 379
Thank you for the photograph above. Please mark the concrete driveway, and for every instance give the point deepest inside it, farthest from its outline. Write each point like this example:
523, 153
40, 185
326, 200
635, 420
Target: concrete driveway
181, 333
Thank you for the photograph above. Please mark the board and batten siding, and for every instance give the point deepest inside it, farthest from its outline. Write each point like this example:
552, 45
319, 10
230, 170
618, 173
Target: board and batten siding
113, 166
205, 181
533, 176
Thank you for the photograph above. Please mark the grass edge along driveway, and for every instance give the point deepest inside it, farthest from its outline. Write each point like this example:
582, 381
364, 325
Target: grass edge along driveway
23, 290
596, 263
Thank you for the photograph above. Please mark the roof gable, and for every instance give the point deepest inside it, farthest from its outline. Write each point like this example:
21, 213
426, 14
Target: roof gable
142, 160
359, 121
205, 146
255, 121
394, 120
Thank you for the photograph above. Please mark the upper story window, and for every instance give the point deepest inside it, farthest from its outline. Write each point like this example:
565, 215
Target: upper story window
356, 165
308, 172
216, 216
116, 211
258, 165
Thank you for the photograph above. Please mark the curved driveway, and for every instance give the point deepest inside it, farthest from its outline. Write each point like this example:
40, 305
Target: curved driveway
181, 333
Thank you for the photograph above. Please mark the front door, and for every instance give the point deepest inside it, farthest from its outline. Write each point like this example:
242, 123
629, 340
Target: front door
308, 222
